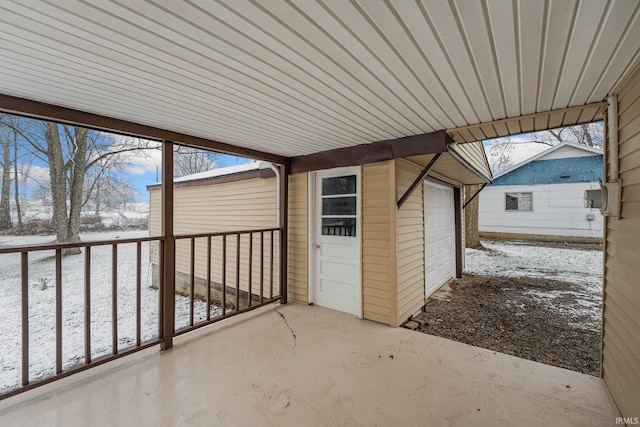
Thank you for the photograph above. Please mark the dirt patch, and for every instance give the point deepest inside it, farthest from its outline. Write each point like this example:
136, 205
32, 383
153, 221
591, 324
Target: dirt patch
535, 319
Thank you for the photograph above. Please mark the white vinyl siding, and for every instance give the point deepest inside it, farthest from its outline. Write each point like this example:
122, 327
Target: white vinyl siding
558, 210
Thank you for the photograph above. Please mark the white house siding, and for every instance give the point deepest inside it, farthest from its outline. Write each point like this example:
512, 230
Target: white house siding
568, 152
558, 210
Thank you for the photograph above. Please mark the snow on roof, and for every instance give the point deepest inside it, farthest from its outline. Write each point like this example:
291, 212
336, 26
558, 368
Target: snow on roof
545, 152
522, 150
230, 170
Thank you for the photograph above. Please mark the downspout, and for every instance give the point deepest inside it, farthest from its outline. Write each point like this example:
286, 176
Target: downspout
276, 169
282, 177
612, 116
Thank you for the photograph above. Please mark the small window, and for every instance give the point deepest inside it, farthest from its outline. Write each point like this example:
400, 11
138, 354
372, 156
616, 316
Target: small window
339, 185
339, 206
522, 202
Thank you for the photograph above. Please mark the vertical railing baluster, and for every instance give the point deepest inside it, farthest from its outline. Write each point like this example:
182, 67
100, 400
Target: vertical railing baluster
261, 266
114, 298
224, 274
237, 271
208, 277
271, 268
25, 317
250, 264
193, 279
138, 293
87, 305
58, 311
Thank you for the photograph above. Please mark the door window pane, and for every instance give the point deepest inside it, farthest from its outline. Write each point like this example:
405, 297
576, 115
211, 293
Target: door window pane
339, 206
339, 227
339, 185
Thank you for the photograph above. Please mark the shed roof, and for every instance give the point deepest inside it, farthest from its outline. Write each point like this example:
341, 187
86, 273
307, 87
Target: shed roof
298, 77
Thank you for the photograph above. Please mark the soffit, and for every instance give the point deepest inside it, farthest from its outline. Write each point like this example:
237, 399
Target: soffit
449, 169
298, 77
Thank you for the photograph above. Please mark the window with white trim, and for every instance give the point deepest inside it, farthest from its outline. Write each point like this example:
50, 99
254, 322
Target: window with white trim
520, 202
339, 206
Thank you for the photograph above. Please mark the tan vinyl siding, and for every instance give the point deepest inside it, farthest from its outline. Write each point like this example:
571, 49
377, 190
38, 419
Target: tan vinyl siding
410, 242
621, 312
155, 212
240, 205
378, 242
298, 238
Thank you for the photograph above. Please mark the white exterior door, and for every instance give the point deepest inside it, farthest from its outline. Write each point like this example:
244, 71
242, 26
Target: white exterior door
439, 236
336, 250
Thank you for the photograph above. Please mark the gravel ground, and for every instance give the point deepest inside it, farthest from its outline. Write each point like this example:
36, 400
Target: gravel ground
549, 312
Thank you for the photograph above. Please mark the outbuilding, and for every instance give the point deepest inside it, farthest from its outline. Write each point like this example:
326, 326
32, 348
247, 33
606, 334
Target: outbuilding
373, 230
543, 197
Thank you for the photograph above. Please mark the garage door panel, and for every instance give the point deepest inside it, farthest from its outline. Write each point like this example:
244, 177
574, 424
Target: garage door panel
439, 236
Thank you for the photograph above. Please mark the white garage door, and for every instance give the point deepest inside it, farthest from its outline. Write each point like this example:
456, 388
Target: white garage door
439, 236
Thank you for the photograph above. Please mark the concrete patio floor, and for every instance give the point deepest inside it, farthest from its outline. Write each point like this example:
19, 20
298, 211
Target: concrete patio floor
298, 365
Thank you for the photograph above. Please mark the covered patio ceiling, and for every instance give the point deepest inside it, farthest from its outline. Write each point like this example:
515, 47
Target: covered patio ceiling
297, 77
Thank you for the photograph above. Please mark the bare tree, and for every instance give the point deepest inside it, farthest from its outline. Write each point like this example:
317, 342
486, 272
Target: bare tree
16, 182
589, 134
71, 153
5, 196
188, 160
471, 235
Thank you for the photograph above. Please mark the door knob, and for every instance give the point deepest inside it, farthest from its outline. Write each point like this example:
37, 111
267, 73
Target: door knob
317, 245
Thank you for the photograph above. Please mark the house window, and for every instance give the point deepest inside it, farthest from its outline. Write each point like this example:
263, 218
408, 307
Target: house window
522, 202
339, 206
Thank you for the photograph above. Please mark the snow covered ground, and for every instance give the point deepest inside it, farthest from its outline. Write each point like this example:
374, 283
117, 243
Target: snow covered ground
42, 306
522, 259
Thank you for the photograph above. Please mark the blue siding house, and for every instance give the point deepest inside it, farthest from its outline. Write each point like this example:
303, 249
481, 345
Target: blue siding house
542, 197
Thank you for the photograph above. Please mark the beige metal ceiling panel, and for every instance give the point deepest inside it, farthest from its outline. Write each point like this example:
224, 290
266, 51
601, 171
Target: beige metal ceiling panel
587, 20
445, 22
620, 18
531, 21
505, 40
302, 76
480, 44
419, 27
555, 42
530, 123
69, 67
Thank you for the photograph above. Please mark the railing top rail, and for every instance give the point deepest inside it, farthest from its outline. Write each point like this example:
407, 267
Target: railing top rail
53, 246
226, 233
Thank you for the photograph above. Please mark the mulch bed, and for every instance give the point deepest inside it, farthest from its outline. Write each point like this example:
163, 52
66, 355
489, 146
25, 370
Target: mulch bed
497, 313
